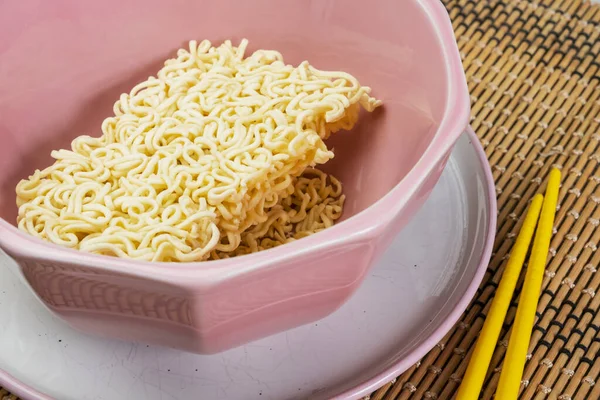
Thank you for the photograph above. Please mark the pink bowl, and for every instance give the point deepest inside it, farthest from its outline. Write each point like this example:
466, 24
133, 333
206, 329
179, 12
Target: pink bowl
63, 64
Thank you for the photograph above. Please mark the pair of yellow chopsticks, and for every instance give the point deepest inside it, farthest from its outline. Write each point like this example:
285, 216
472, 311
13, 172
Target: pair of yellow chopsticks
514, 360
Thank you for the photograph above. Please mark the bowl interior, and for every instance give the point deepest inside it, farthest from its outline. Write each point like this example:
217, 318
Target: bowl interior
63, 64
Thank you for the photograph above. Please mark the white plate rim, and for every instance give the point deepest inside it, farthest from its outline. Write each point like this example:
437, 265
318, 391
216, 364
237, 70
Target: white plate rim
25, 391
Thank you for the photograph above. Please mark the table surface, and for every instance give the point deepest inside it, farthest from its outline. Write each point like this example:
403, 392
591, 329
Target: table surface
533, 70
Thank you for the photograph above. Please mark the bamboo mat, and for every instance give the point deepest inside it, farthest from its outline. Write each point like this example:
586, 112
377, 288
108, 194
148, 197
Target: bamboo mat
533, 70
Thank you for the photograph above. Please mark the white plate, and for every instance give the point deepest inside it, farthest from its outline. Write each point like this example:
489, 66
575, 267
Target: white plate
439, 259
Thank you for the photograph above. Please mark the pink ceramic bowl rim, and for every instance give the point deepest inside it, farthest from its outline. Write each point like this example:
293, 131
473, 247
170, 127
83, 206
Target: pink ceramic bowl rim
364, 226
27, 392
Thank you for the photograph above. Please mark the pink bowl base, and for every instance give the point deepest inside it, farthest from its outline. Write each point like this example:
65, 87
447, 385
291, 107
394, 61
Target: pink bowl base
233, 313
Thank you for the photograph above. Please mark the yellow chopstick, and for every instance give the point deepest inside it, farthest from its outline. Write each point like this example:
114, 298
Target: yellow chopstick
514, 360
472, 382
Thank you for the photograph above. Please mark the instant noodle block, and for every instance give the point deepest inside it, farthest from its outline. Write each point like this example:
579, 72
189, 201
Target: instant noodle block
63, 65
213, 158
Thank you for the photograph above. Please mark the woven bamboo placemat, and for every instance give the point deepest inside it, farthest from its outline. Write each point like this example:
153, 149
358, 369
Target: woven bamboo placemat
533, 70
